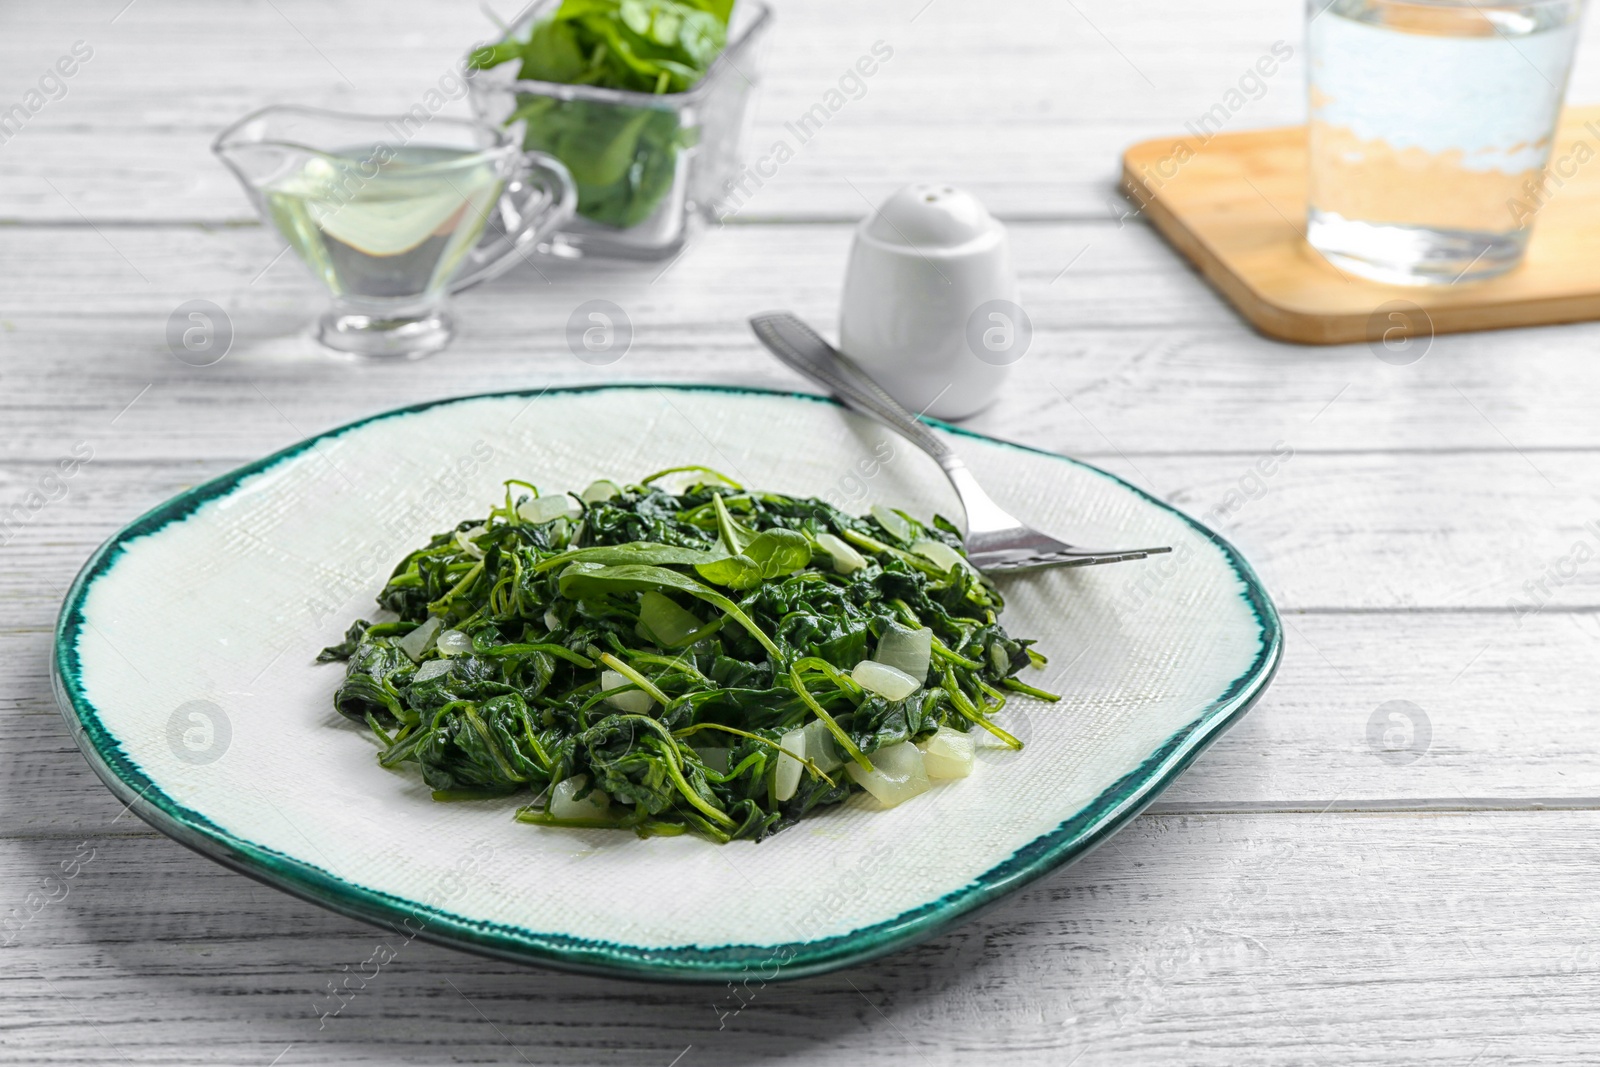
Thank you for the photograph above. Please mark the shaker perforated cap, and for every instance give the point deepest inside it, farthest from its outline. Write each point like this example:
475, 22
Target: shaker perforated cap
930, 216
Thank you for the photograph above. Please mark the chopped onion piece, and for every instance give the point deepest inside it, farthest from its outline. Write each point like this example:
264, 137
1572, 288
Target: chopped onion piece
786, 779
892, 521
544, 508
947, 754
633, 702
454, 643
897, 774
550, 620
939, 554
884, 680
418, 641
821, 748
906, 650
668, 623
601, 491
464, 538
846, 560
564, 805
431, 670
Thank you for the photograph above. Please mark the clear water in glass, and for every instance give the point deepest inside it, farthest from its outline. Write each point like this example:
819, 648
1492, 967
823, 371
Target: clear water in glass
1431, 124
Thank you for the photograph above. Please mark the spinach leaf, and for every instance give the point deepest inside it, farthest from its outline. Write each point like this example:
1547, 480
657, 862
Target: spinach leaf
649, 553
770, 554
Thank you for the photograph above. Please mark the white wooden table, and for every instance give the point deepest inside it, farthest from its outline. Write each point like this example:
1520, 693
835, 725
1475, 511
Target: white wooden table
1303, 895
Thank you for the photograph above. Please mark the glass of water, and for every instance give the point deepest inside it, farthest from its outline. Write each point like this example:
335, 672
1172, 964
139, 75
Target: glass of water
1431, 123
392, 214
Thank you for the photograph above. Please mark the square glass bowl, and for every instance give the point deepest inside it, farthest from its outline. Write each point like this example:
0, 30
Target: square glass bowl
648, 167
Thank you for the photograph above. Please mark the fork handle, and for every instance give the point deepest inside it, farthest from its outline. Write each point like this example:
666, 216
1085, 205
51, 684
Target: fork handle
802, 349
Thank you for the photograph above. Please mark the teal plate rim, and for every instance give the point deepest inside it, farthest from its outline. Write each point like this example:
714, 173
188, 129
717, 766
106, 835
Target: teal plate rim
1069, 841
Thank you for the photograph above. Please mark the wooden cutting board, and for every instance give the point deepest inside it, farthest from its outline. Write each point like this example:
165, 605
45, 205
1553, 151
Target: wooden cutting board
1235, 206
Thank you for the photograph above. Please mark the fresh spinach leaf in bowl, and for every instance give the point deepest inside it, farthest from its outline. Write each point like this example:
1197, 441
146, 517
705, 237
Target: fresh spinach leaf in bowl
623, 158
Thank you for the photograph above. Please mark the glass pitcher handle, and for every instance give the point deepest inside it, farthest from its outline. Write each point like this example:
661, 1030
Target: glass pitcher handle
537, 200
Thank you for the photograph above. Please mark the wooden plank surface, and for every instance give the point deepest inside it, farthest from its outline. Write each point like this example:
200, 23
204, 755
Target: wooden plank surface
1202, 940
965, 96
1030, 111
1302, 895
1133, 353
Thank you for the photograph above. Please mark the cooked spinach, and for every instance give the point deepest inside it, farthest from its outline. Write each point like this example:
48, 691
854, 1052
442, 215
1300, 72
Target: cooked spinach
714, 660
623, 158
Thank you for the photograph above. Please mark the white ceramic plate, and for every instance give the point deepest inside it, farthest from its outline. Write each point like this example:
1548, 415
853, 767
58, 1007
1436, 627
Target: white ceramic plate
184, 665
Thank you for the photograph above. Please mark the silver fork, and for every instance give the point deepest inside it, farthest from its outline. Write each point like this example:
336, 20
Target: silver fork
996, 540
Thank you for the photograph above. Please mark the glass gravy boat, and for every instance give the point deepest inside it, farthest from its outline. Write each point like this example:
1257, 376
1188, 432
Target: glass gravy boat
393, 214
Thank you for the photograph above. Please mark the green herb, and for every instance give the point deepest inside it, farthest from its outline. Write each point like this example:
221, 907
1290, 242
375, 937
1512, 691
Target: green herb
622, 158
674, 662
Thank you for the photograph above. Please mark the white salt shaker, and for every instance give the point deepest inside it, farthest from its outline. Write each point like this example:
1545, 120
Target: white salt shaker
930, 302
